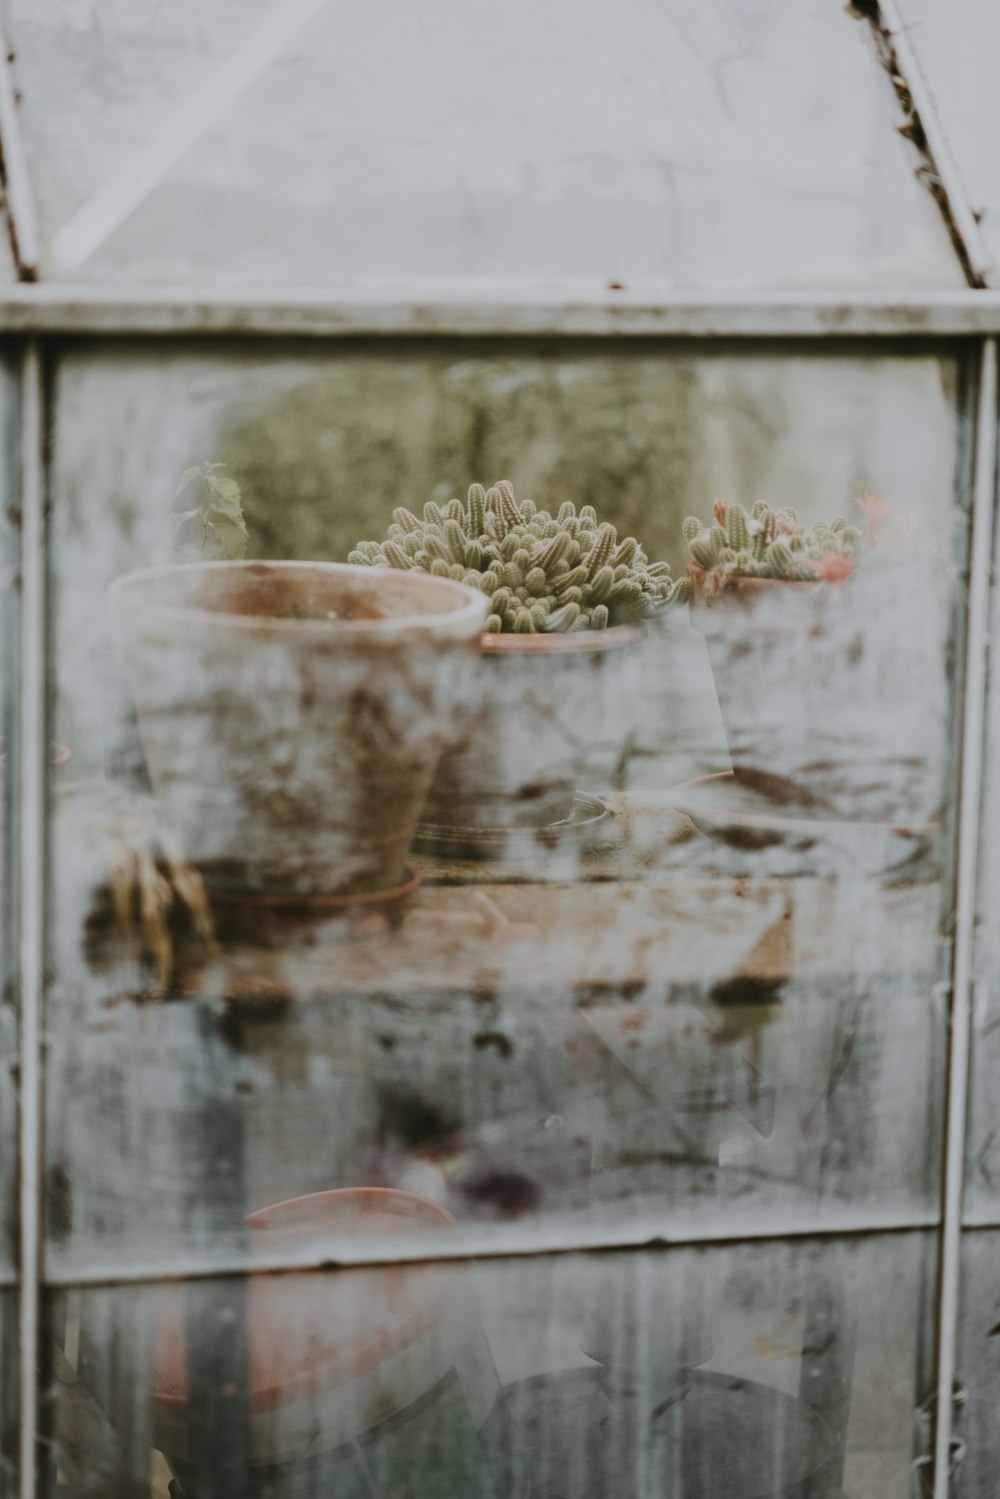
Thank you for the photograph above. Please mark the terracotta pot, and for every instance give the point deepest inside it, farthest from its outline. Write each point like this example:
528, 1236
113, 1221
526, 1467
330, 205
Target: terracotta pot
539, 706
292, 713
833, 693
344, 1358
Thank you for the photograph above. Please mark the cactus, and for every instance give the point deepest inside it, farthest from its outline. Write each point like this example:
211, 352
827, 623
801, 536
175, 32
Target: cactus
542, 573
763, 544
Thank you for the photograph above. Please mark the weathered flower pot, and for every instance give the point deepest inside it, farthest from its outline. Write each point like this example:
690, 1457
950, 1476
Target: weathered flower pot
833, 693
536, 713
377, 1375
292, 714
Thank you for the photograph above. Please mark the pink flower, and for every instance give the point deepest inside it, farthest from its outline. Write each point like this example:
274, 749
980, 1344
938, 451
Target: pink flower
719, 511
833, 567
884, 521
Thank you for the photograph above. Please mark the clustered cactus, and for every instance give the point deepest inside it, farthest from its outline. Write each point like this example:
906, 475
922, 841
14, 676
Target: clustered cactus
542, 572
769, 544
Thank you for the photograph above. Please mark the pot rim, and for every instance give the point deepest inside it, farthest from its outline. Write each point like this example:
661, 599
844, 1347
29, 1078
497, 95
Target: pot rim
129, 590
335, 1196
738, 588
270, 1394
616, 637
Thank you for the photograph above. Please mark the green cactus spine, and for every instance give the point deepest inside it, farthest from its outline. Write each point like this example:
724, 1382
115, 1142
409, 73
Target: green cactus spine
395, 556
737, 529
540, 572
476, 510
406, 519
767, 544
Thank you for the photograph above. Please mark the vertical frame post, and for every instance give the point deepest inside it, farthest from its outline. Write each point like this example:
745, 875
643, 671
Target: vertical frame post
31, 862
967, 864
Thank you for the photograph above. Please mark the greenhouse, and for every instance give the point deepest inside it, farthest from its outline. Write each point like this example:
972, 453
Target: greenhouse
500, 930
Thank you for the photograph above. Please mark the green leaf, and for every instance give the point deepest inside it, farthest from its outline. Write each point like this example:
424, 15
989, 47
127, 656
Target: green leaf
229, 539
226, 496
214, 515
182, 518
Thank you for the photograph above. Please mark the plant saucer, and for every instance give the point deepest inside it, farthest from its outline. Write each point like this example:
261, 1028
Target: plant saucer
272, 920
516, 844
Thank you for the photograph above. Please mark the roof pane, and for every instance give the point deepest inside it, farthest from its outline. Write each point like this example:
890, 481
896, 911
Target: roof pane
957, 47
709, 142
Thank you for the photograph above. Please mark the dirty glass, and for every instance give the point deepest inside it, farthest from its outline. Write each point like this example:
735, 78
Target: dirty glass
668, 1007
778, 1369
266, 143
953, 46
977, 1390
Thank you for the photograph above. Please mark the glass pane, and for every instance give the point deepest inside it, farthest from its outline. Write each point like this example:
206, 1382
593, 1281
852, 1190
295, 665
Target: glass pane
977, 1436
768, 1369
953, 49
674, 1008
709, 144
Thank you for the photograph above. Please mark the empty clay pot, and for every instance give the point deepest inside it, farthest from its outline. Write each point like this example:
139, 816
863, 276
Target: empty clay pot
292, 714
390, 1362
537, 711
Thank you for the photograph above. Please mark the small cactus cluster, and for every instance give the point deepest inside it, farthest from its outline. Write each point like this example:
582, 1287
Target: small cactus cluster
542, 573
769, 544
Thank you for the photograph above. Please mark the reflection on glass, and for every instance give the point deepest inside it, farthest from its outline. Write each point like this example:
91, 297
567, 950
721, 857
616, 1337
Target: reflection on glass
976, 1438
303, 141
780, 1369
673, 953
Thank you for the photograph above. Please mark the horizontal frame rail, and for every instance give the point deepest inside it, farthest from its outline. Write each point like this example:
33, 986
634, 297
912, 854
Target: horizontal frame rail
497, 1243
485, 308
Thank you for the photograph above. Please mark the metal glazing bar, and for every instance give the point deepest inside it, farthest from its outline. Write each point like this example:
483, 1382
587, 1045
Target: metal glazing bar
20, 200
952, 199
31, 904
967, 859
488, 307
496, 1242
